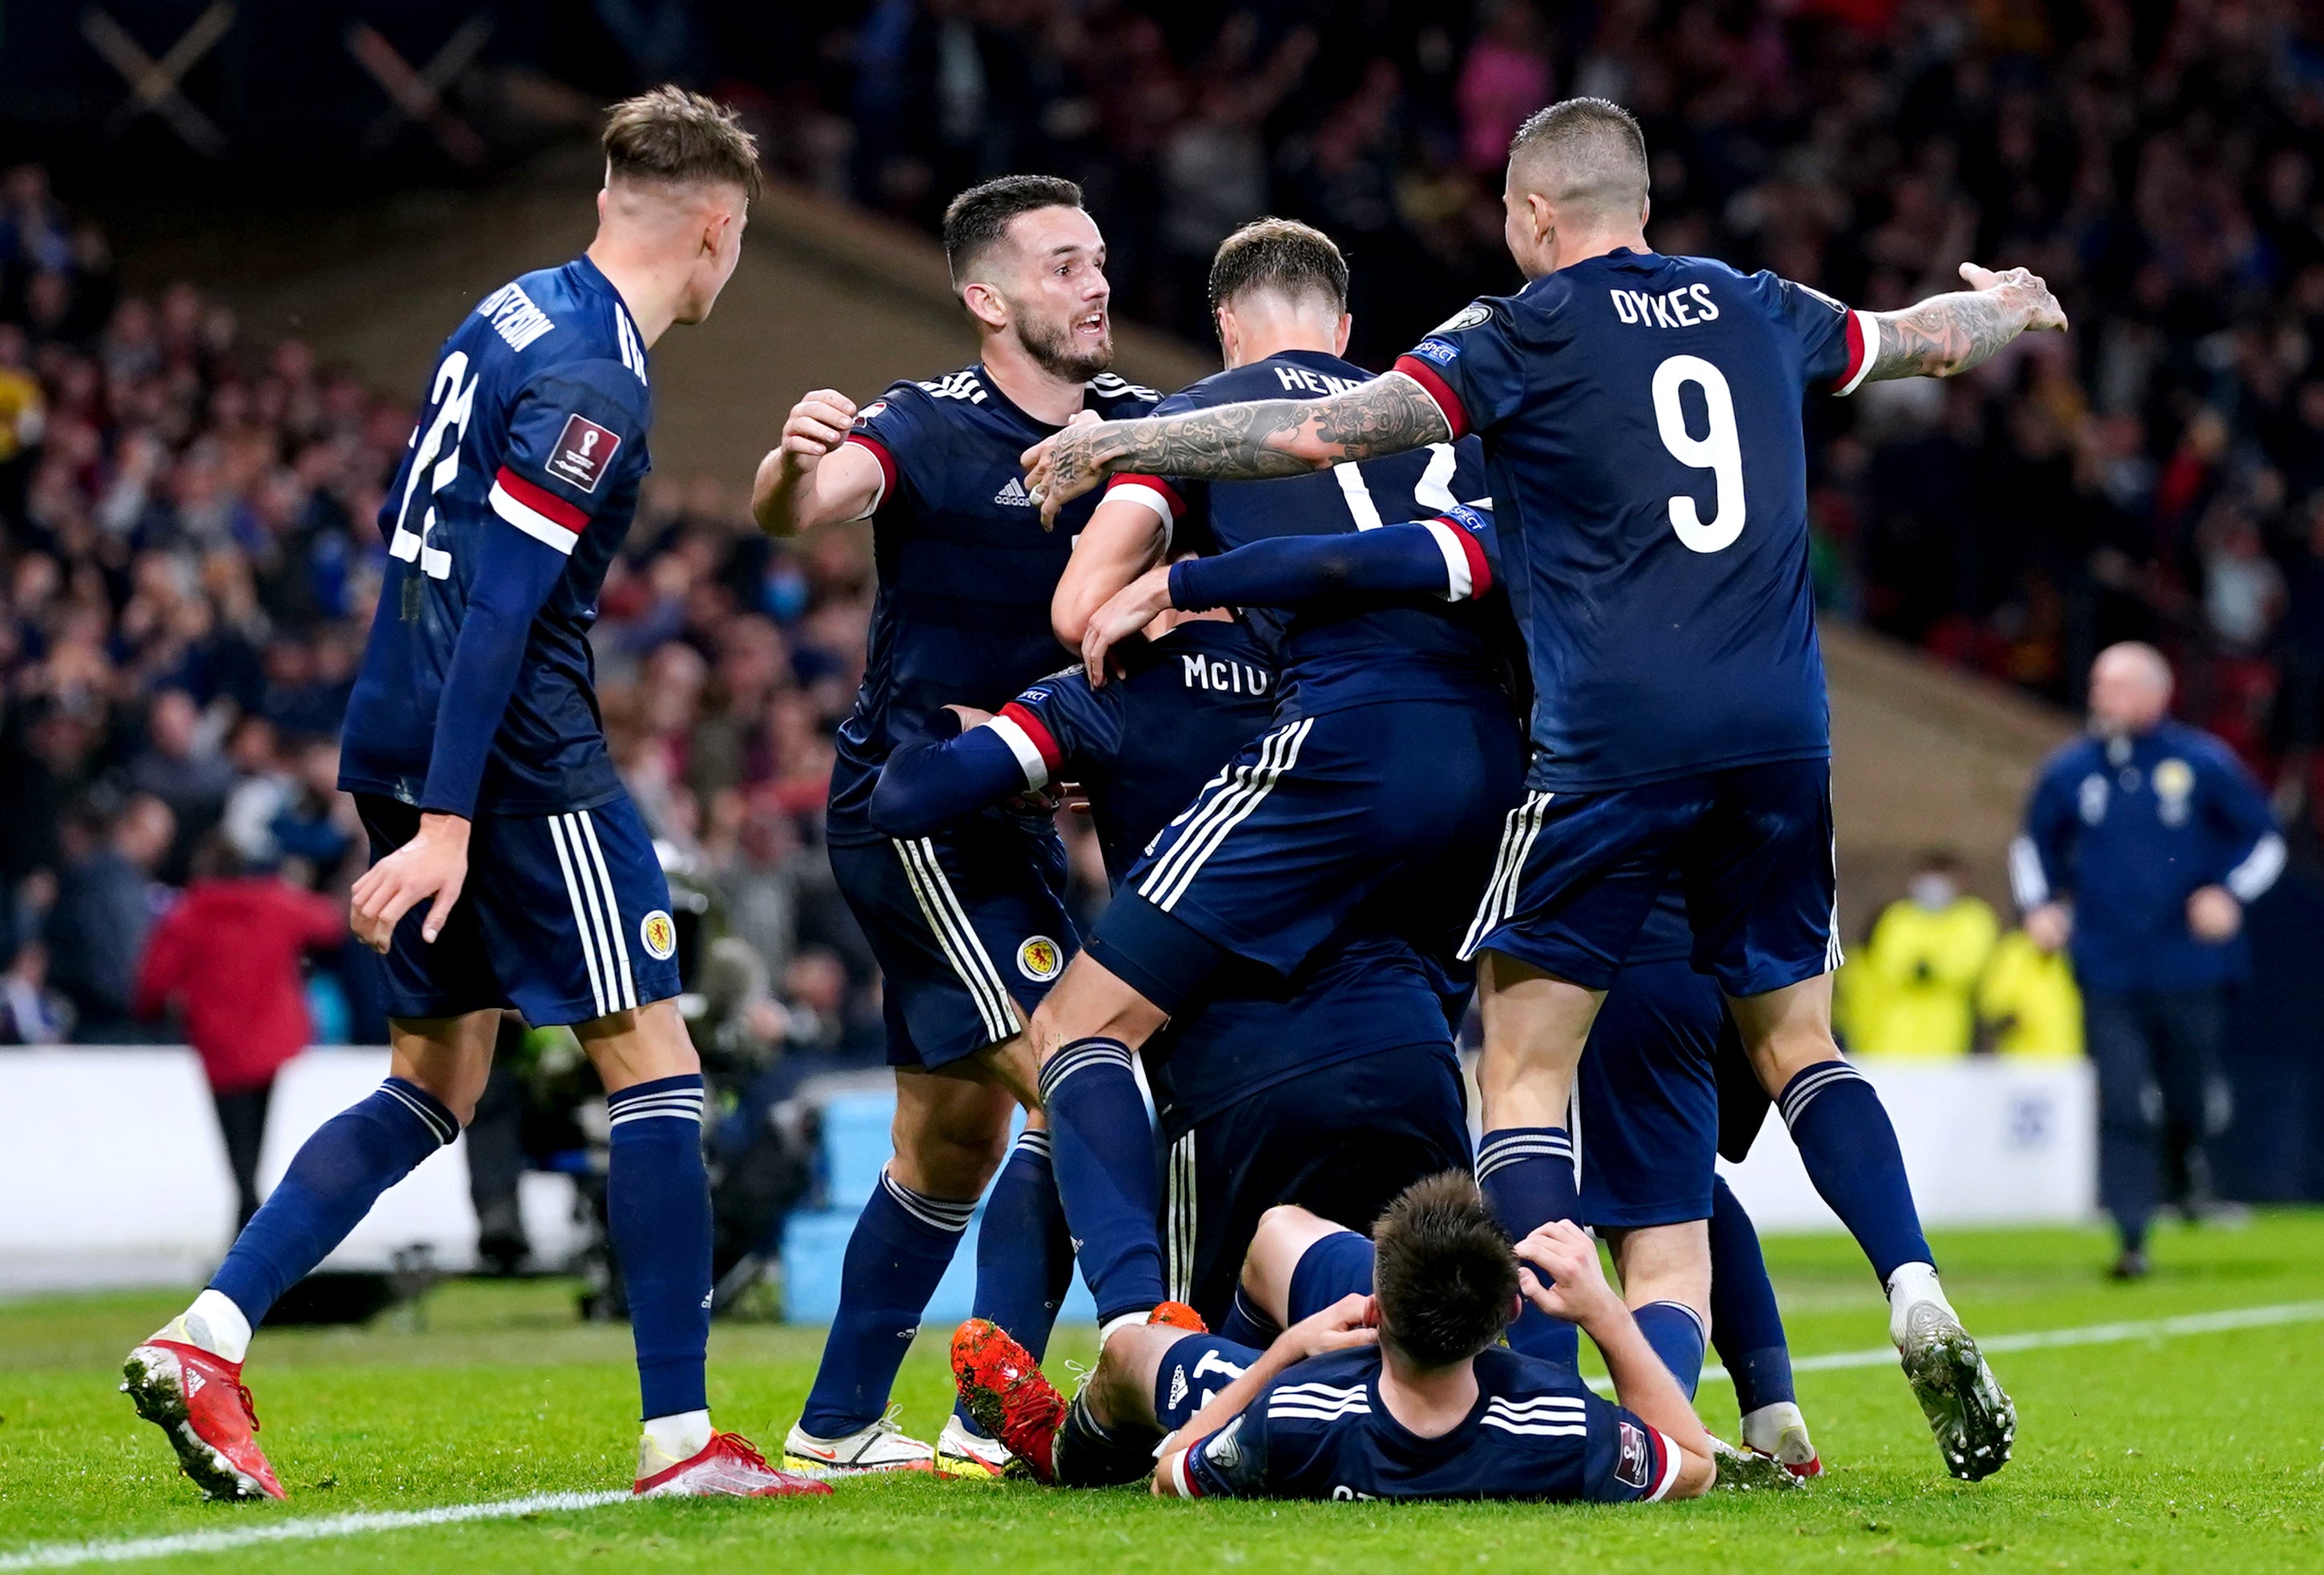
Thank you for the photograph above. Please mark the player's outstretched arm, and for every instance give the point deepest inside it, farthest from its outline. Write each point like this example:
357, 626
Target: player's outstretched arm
1946, 335
1352, 1321
1258, 441
811, 477
958, 764
1577, 1292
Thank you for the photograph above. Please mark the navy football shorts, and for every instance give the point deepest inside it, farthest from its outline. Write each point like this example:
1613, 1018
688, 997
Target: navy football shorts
1648, 1132
1196, 1368
1751, 845
1341, 1142
566, 917
970, 928
1315, 815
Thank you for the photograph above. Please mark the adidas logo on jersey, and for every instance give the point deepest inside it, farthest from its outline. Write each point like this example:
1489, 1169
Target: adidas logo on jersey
956, 385
1014, 494
1112, 386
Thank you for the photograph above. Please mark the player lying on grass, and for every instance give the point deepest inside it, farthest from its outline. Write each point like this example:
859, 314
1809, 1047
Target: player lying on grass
1388, 1381
510, 867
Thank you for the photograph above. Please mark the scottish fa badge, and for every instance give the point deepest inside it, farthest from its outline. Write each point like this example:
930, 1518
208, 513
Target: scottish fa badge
657, 935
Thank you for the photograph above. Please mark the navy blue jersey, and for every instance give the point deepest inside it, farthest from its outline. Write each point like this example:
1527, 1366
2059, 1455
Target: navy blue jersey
1321, 1430
517, 487
1142, 745
966, 573
1360, 647
2126, 830
1642, 426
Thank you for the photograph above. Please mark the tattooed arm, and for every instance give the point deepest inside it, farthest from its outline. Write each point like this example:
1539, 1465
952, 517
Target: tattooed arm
1248, 442
1947, 334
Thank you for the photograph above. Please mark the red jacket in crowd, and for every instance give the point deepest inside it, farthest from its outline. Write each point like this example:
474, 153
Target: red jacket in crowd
228, 952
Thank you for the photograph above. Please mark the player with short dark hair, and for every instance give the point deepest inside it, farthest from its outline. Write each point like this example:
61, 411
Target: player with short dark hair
509, 869
1371, 802
969, 924
1389, 1381
1649, 480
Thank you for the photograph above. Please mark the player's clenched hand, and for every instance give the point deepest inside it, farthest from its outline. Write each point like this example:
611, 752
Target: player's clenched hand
1130, 610
1564, 1254
817, 424
2022, 289
432, 864
1345, 1325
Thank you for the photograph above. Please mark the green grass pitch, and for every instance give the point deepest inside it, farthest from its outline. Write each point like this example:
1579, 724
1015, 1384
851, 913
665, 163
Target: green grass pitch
2200, 1452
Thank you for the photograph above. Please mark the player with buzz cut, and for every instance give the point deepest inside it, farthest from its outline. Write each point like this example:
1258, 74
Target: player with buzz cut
1642, 420
1389, 1381
509, 869
969, 924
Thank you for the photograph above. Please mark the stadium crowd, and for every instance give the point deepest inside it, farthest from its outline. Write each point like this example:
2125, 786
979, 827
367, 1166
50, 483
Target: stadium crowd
2158, 474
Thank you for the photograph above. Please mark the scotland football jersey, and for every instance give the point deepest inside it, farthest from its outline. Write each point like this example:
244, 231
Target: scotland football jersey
966, 573
534, 427
1360, 647
1641, 428
1321, 1430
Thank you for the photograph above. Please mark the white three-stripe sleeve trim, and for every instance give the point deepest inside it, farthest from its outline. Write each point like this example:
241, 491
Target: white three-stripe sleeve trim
2250, 879
621, 958
580, 911
531, 521
1020, 744
1459, 586
2027, 883
1870, 326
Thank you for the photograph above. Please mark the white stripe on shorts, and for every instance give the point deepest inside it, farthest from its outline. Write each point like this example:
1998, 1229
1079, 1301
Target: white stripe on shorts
955, 937
565, 861
626, 984
1500, 900
1278, 752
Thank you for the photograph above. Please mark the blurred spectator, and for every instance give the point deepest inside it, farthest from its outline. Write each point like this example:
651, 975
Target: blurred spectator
228, 957
1913, 982
105, 904
181, 766
2143, 843
30, 1013
2027, 1000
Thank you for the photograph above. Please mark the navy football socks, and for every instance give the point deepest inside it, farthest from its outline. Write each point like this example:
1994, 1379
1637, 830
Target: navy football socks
902, 1245
1745, 1327
1102, 1147
1676, 1331
1023, 1253
332, 1183
658, 1214
1527, 1175
1849, 1149
1248, 1323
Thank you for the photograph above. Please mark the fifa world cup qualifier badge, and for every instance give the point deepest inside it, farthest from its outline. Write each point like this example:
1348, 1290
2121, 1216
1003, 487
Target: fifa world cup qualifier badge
657, 935
1039, 958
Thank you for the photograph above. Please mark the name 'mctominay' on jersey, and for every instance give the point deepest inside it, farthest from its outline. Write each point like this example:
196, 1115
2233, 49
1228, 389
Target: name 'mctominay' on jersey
532, 434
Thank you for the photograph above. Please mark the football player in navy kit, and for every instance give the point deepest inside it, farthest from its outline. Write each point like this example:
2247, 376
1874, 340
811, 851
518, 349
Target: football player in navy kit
1387, 1382
1648, 473
969, 925
510, 867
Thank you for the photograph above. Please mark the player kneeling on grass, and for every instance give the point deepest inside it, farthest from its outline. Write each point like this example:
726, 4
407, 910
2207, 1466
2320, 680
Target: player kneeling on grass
1389, 1381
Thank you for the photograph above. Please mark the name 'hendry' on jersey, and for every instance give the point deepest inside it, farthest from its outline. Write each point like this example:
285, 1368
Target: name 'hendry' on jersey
1642, 424
966, 573
535, 419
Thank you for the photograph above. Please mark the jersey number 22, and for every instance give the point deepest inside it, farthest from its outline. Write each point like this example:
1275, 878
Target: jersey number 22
437, 456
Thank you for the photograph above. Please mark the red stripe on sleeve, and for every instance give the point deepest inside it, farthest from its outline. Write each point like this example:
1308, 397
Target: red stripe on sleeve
886, 461
1038, 732
1480, 567
1421, 373
1177, 504
542, 502
1855, 352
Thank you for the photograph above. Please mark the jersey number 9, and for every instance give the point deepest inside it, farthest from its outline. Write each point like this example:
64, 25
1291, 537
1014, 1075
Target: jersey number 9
1718, 452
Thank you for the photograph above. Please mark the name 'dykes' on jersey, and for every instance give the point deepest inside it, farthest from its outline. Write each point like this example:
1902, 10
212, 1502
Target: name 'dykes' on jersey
533, 425
965, 571
1357, 647
1641, 416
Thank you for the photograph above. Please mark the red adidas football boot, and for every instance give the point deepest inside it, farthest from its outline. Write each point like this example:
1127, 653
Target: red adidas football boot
200, 1400
1003, 1388
727, 1467
1177, 1315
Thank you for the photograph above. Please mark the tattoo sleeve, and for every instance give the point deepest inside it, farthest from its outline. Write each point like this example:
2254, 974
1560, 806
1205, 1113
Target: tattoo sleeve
1276, 437
1946, 335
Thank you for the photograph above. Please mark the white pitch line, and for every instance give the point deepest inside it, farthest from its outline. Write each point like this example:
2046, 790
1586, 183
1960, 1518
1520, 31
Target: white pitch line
1883, 1356
65, 1555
